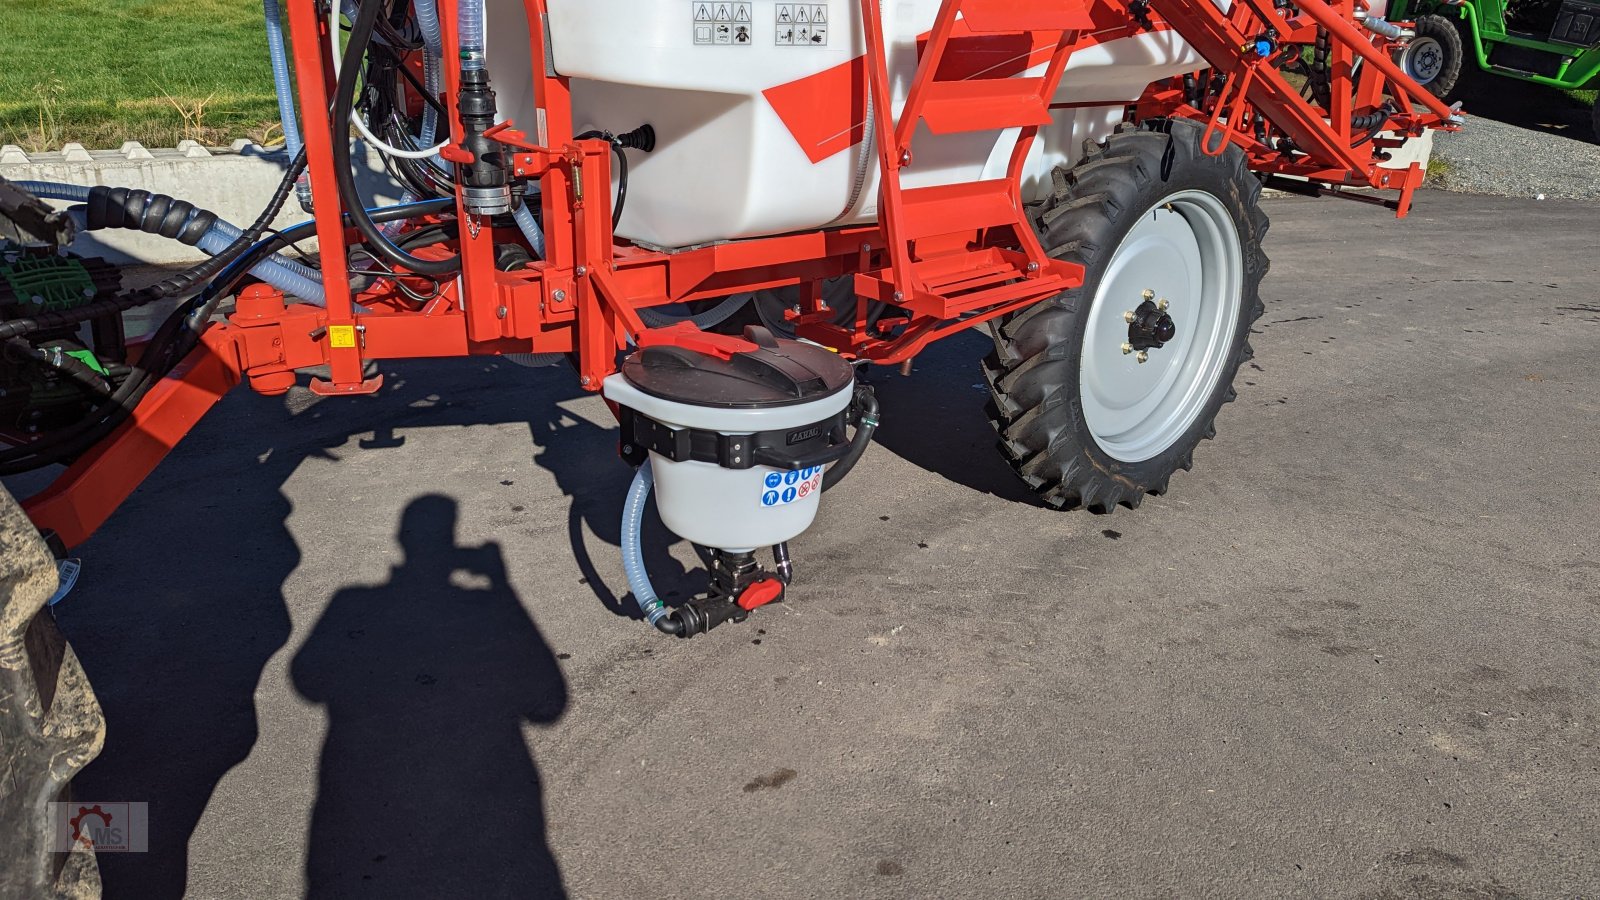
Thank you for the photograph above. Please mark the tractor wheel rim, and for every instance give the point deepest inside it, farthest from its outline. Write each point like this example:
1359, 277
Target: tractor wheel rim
1186, 250
1423, 59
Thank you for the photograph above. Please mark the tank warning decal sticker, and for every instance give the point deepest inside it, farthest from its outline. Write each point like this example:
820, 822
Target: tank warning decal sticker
802, 24
724, 23
781, 488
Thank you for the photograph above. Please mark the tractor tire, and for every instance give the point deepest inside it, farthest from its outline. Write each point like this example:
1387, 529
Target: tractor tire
1150, 218
1434, 57
50, 724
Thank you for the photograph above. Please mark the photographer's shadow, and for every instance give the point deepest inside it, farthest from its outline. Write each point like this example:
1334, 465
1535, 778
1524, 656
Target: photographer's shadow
427, 788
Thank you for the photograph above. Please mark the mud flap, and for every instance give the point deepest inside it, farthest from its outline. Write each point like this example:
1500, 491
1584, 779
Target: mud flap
50, 722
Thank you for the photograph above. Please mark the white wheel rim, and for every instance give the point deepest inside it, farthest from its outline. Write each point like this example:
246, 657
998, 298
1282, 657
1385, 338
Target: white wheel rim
1186, 250
1423, 59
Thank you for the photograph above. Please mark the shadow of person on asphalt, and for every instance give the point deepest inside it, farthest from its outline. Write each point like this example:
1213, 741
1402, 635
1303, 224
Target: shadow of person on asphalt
426, 787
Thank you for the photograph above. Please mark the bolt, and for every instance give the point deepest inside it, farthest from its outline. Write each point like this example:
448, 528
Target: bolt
501, 312
1126, 348
1162, 304
585, 380
736, 460
88, 292
36, 298
1129, 317
627, 448
866, 248
1148, 294
899, 297
581, 271
559, 296
1033, 267
1143, 357
795, 309
905, 157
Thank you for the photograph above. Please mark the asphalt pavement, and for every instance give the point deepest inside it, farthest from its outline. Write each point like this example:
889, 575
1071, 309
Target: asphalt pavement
381, 647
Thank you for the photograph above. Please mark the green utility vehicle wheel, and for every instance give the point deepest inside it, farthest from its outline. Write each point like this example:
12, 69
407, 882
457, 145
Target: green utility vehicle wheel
1433, 58
1102, 392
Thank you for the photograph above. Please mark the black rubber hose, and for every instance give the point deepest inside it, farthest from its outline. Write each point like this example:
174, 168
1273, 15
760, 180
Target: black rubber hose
867, 407
622, 168
670, 624
70, 366
349, 197
173, 286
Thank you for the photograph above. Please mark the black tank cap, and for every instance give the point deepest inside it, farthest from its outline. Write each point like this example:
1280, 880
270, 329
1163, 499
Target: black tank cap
770, 373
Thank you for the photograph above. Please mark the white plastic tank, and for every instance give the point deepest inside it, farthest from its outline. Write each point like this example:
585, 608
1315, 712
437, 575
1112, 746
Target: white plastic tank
780, 405
757, 106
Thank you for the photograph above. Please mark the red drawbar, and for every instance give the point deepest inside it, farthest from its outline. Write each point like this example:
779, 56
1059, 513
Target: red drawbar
687, 336
760, 593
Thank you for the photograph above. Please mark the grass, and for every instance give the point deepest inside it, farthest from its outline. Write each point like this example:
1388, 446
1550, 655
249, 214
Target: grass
154, 71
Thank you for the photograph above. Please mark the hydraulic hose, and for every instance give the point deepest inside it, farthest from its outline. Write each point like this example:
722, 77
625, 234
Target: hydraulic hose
716, 315
349, 197
162, 215
867, 405
172, 286
655, 612
283, 85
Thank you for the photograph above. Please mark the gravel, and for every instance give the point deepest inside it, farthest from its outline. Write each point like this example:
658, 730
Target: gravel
1520, 140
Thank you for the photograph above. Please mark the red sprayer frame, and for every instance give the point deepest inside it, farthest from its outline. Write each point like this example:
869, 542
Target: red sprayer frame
946, 259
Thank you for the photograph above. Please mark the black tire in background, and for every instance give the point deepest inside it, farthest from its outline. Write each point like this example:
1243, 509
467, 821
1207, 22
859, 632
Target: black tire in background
50, 722
1434, 57
1035, 372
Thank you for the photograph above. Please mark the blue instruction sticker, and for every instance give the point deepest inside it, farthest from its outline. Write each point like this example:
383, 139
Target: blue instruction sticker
783, 488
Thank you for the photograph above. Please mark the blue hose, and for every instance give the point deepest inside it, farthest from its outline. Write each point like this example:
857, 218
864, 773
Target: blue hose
283, 85
469, 34
632, 551
529, 228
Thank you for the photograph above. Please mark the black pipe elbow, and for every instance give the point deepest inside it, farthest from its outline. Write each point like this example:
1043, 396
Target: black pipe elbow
867, 422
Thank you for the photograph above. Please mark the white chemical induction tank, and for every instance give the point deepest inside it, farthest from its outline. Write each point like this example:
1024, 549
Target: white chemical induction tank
758, 113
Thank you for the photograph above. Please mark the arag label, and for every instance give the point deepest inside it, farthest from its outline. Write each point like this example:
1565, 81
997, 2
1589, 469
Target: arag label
782, 488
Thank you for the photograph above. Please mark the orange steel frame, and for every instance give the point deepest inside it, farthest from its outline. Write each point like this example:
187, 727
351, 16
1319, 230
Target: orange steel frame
583, 297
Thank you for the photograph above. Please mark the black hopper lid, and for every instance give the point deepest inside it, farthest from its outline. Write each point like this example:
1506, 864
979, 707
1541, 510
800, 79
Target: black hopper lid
686, 365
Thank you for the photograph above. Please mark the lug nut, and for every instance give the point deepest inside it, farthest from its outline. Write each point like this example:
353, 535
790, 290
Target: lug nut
1148, 294
1162, 304
1126, 348
1129, 317
1142, 357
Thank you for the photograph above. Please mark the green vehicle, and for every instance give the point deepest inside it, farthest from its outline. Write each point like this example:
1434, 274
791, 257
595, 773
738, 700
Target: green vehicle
1550, 42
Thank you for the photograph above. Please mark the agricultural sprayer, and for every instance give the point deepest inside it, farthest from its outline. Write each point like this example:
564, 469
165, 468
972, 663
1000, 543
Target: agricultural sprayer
719, 211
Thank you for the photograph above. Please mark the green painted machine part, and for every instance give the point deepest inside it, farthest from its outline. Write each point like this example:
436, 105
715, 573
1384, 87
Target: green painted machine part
1555, 43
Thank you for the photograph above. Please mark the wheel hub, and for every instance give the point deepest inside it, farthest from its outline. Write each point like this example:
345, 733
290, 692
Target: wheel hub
1150, 326
1424, 59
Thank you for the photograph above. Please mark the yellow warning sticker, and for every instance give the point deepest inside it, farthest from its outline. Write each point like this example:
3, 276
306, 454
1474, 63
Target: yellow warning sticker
341, 335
